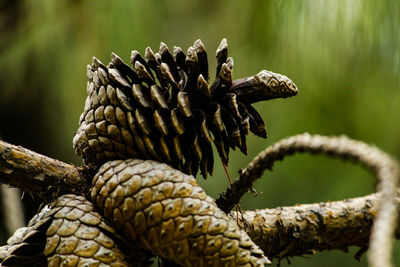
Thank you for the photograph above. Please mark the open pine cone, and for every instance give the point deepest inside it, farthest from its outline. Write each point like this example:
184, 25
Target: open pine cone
162, 110
165, 109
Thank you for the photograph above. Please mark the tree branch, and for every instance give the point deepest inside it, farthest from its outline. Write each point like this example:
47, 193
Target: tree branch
303, 229
382, 165
40, 175
280, 232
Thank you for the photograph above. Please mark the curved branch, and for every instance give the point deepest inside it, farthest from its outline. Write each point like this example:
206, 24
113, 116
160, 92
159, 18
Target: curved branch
382, 165
40, 175
47, 177
303, 229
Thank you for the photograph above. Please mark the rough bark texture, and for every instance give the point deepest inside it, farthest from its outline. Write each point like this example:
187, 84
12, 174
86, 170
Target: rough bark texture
40, 175
303, 229
279, 232
370, 157
382, 165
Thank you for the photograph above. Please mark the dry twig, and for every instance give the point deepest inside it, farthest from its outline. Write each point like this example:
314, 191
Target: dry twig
382, 165
38, 174
301, 229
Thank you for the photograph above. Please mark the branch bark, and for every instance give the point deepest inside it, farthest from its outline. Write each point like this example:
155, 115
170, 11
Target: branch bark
303, 229
40, 175
279, 232
382, 165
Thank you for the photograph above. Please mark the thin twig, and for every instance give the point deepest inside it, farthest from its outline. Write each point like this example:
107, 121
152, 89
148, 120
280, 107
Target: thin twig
382, 165
38, 174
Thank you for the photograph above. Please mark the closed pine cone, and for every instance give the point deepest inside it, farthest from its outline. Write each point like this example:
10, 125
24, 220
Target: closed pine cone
69, 232
167, 213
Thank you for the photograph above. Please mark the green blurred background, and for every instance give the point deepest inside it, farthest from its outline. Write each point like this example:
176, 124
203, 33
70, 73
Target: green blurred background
343, 56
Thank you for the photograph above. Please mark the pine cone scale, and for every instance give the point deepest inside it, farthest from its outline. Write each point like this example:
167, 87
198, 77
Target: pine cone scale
60, 236
138, 100
163, 108
170, 215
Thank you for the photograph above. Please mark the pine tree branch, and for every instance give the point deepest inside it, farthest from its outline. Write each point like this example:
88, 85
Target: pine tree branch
382, 165
304, 229
40, 175
300, 229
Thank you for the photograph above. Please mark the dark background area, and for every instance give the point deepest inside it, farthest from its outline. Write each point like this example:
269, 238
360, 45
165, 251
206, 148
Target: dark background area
343, 56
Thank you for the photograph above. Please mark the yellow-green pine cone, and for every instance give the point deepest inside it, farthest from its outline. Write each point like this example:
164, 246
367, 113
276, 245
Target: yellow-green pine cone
70, 233
166, 212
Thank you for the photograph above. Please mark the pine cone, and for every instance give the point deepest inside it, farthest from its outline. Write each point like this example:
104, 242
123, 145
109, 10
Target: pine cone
69, 232
165, 109
169, 214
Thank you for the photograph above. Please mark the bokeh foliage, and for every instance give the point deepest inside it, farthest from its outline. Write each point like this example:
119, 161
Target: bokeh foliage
343, 56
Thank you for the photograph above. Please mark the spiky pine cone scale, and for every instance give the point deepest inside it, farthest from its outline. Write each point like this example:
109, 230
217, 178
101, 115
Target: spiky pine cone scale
169, 214
165, 109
